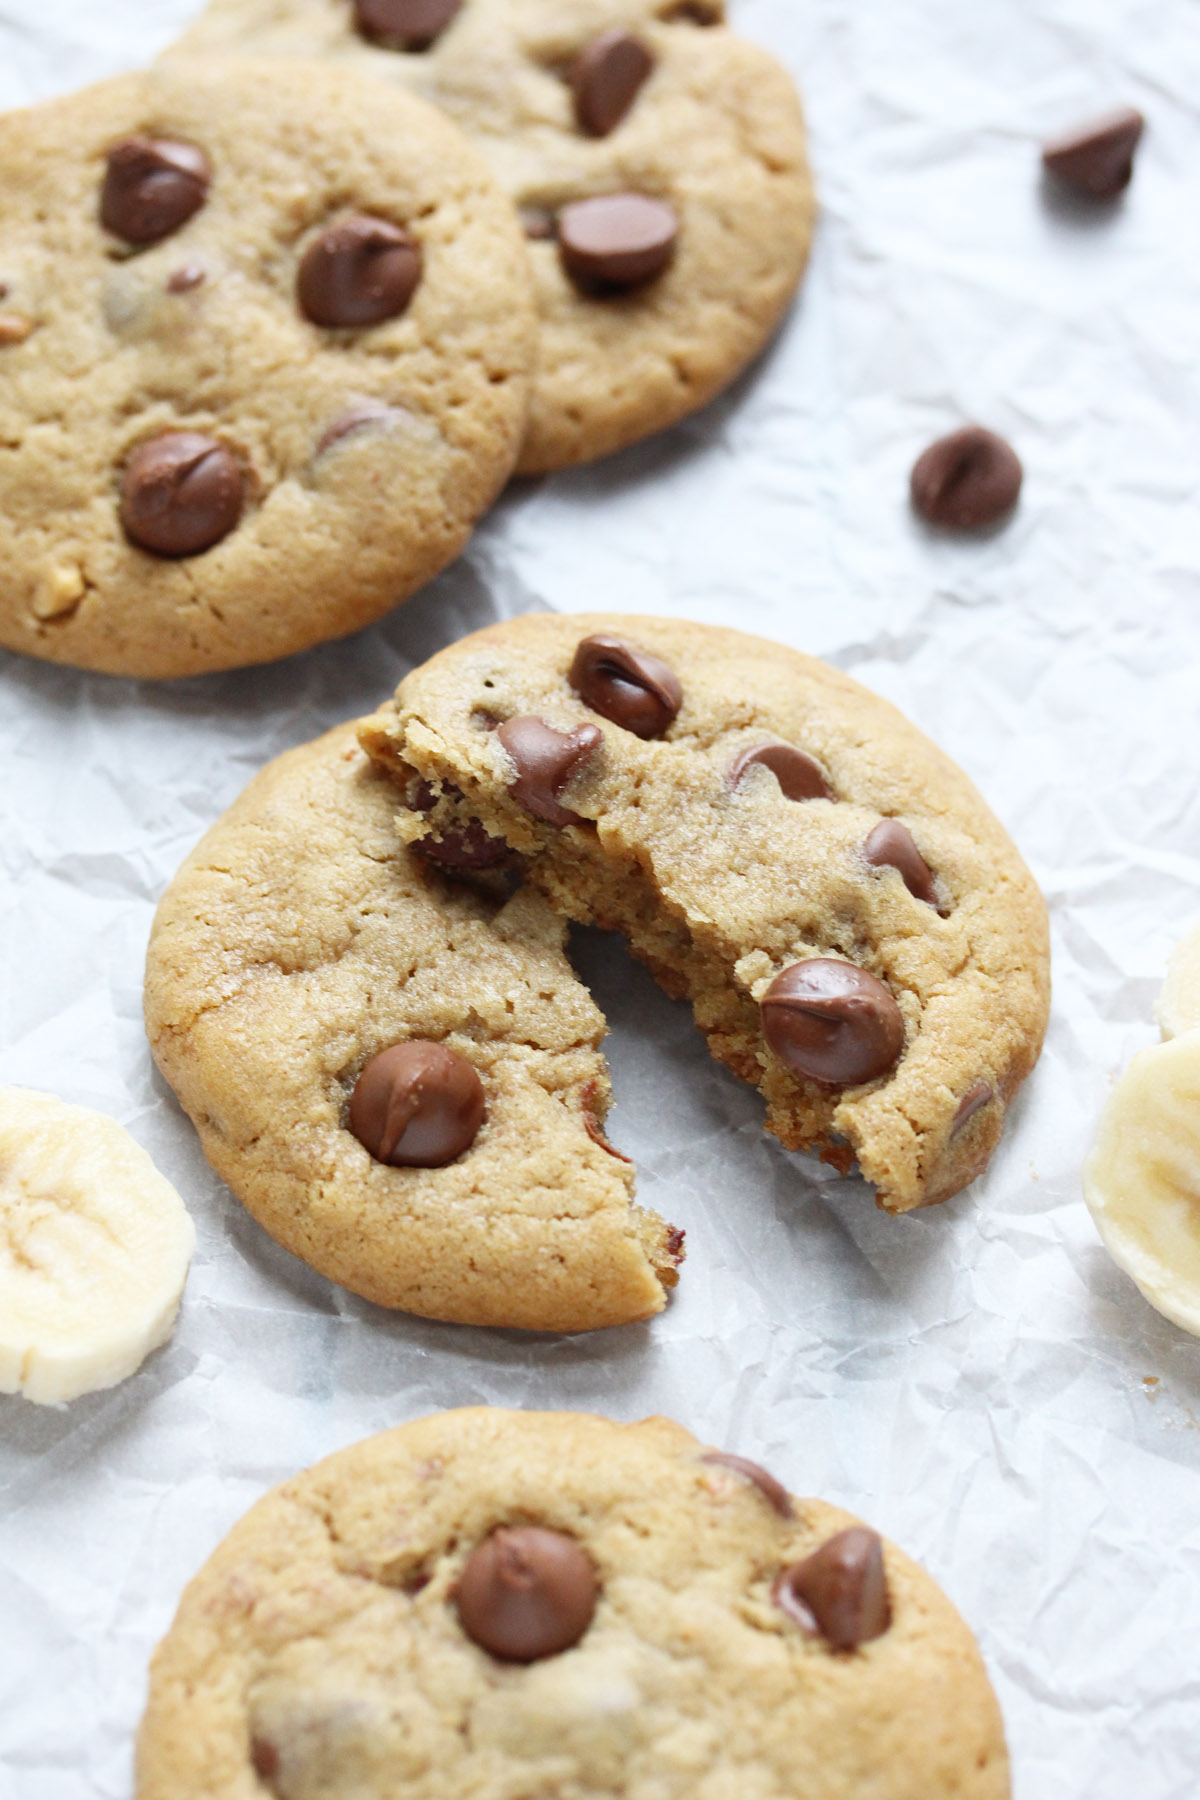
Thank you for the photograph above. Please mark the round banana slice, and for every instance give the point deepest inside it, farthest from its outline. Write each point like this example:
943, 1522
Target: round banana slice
94, 1250
1178, 1008
1142, 1179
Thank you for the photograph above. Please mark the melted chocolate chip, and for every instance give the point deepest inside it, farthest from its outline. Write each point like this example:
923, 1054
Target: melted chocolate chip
358, 272
832, 1022
356, 418
545, 761
404, 24
606, 78
593, 1127
981, 1095
635, 690
675, 1240
265, 1759
617, 240
183, 280
526, 1594
181, 493
538, 223
771, 1490
799, 775
840, 1591
967, 481
1096, 159
891, 846
152, 186
460, 848
417, 1106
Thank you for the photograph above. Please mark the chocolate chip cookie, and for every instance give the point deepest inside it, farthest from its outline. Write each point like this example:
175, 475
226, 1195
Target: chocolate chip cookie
398, 1075
259, 379
855, 931
532, 1604
658, 161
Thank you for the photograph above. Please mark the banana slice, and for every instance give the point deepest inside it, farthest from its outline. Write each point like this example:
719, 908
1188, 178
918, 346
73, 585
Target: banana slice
1142, 1179
94, 1250
1178, 1008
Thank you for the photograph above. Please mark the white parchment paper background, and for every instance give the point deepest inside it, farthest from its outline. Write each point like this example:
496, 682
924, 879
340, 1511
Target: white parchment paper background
981, 1383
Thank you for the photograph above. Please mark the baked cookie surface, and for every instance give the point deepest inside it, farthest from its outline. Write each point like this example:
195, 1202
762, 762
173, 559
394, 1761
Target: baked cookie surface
299, 943
332, 1645
259, 380
681, 112
856, 932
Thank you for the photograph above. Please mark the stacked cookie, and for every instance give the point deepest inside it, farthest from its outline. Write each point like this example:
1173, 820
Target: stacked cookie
292, 368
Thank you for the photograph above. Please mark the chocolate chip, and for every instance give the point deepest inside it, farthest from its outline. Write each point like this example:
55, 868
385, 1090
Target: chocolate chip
526, 1593
15, 328
265, 1758
891, 846
967, 481
1096, 159
799, 775
593, 1127
152, 186
617, 240
606, 78
675, 1241
461, 848
840, 1591
832, 1022
182, 281
404, 24
417, 1106
538, 223
771, 1490
981, 1095
181, 493
635, 690
356, 418
546, 760
358, 272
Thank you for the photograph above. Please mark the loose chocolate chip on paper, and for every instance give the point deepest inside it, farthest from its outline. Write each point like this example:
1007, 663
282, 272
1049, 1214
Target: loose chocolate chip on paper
181, 493
526, 1593
832, 1022
771, 1490
891, 846
968, 480
606, 78
799, 775
980, 1095
839, 1591
358, 272
545, 761
631, 688
1096, 159
417, 1106
617, 240
404, 24
152, 186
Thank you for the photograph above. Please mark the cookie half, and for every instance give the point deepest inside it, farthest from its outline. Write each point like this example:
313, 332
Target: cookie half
259, 378
856, 932
508, 1604
658, 160
300, 944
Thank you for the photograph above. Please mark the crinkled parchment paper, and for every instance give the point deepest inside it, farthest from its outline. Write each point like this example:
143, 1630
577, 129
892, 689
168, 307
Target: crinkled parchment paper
979, 1382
